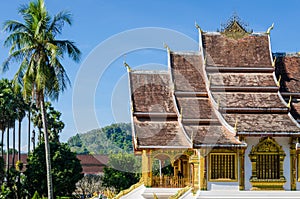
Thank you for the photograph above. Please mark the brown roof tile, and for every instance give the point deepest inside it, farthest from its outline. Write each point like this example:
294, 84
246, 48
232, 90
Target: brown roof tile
288, 67
249, 51
263, 123
159, 134
187, 72
195, 108
151, 92
248, 100
242, 79
211, 135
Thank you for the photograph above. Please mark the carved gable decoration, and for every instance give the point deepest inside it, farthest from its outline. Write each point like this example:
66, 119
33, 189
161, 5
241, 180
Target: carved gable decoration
267, 145
235, 29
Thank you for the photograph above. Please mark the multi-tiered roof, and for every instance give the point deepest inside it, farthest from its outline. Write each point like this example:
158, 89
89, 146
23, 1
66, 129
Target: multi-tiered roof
212, 97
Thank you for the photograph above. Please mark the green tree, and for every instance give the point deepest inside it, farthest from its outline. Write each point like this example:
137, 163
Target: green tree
122, 171
66, 170
55, 125
41, 73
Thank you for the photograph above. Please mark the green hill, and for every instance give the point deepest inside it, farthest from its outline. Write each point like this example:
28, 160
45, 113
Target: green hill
110, 139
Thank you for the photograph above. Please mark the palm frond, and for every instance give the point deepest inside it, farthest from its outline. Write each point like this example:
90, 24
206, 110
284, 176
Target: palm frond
12, 26
59, 21
69, 47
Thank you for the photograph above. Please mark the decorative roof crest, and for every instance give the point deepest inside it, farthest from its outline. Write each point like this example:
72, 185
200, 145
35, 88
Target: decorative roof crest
235, 28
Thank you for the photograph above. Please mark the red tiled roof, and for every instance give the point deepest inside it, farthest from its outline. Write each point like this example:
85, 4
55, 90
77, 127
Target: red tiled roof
161, 134
242, 79
91, 164
187, 72
262, 123
238, 100
195, 108
151, 92
211, 135
249, 51
288, 67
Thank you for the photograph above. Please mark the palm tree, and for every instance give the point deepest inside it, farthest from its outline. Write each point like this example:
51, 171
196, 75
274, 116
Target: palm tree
41, 73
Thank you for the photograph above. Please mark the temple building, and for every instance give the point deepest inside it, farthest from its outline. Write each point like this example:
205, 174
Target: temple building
225, 115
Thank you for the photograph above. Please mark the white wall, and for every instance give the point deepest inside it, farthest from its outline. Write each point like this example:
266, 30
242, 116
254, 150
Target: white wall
284, 142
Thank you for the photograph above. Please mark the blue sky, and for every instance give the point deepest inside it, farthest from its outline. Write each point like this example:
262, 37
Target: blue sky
95, 21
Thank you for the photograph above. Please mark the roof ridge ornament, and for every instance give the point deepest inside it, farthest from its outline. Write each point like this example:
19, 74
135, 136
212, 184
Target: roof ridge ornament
278, 82
235, 28
167, 47
235, 125
290, 101
198, 27
127, 66
274, 62
270, 28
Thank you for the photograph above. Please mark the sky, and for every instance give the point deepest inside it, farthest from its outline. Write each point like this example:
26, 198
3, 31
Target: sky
109, 32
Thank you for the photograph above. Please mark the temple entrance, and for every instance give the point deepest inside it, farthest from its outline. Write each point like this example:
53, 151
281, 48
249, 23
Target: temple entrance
267, 165
173, 173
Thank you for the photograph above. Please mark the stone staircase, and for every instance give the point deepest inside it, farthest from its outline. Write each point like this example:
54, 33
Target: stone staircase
249, 194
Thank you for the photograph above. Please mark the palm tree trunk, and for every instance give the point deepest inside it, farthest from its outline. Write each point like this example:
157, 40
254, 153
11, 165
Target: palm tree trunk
14, 144
7, 153
47, 150
28, 132
19, 140
2, 143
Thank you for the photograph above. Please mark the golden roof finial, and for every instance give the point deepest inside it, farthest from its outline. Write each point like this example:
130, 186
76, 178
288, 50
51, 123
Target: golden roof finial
127, 66
167, 47
278, 82
270, 28
198, 27
205, 60
274, 62
235, 125
290, 101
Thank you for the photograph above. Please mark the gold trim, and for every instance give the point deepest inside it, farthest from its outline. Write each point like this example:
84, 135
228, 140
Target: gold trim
223, 179
267, 146
131, 188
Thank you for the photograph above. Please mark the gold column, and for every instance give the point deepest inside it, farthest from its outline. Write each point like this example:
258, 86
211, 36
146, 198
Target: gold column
203, 170
293, 159
147, 168
242, 169
195, 161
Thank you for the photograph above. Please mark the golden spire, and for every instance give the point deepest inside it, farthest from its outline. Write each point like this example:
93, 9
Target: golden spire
270, 28
290, 101
274, 62
278, 82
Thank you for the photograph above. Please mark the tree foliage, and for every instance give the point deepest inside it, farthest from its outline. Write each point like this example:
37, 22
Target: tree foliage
66, 170
55, 125
110, 139
122, 171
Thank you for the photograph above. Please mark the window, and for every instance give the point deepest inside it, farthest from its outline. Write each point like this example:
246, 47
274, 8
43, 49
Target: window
268, 166
222, 166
